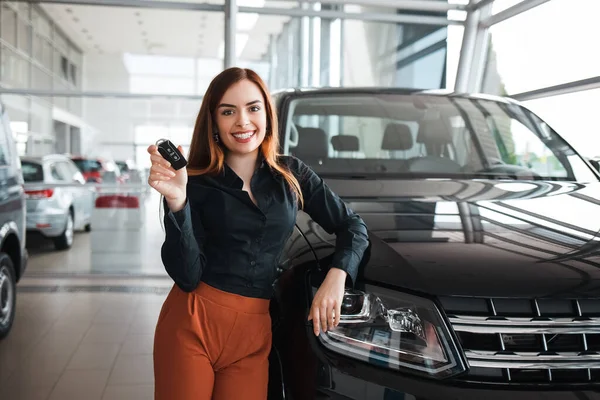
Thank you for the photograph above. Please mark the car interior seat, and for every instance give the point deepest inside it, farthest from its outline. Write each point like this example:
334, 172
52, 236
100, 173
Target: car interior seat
435, 138
313, 145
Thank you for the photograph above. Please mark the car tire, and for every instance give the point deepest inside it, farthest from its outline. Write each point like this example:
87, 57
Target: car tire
65, 240
8, 294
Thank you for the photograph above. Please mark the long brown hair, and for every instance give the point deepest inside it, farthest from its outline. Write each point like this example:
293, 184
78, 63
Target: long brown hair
206, 156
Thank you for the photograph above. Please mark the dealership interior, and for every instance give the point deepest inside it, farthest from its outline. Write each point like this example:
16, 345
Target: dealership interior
86, 86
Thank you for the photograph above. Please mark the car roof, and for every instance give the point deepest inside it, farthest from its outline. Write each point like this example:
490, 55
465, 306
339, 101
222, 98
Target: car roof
308, 91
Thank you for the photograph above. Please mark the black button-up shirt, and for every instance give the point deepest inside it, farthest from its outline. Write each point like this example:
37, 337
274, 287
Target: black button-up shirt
222, 238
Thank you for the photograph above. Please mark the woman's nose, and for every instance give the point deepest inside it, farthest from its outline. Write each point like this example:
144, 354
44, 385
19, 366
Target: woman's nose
243, 120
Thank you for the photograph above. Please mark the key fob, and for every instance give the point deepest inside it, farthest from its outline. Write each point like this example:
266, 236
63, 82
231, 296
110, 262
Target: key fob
169, 151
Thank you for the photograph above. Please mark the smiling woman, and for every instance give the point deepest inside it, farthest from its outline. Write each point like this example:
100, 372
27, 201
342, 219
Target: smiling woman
224, 231
242, 124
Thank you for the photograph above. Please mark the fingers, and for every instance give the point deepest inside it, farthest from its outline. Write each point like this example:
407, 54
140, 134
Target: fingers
331, 316
338, 312
316, 320
161, 169
323, 315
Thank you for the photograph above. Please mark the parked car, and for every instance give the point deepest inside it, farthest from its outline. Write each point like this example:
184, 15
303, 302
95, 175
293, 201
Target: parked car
98, 170
58, 200
482, 277
13, 254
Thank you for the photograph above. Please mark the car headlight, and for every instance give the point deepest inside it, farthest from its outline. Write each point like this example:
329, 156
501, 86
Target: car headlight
395, 330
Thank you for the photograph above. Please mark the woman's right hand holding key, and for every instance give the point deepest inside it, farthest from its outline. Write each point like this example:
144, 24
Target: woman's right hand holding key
168, 182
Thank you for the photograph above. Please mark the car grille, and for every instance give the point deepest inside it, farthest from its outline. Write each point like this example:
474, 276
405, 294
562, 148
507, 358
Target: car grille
528, 341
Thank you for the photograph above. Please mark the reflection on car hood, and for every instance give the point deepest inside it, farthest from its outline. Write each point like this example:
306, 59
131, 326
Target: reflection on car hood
479, 238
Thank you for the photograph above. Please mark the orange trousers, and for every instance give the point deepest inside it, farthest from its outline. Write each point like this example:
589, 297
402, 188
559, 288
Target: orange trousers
211, 344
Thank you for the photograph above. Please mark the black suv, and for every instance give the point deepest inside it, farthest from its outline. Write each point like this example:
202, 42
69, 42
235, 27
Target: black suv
13, 255
482, 278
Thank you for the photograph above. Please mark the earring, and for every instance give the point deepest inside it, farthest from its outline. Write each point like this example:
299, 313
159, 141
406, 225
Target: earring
216, 137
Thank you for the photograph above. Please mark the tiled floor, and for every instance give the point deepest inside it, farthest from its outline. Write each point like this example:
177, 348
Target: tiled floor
84, 331
80, 345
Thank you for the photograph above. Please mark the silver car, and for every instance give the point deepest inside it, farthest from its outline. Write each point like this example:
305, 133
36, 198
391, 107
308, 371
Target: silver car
56, 211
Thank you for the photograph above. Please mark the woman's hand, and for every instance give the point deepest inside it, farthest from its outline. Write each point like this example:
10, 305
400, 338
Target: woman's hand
327, 303
167, 181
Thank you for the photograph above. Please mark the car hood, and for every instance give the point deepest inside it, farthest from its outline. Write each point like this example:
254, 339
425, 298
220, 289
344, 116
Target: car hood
479, 237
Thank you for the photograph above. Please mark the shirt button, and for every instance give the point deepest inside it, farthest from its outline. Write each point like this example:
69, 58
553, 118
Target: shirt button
248, 285
253, 262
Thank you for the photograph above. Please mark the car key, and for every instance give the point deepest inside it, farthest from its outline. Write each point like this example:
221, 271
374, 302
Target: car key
171, 153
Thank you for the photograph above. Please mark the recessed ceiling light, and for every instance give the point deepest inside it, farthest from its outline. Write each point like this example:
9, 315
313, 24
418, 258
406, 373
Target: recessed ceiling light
84, 30
68, 10
75, 19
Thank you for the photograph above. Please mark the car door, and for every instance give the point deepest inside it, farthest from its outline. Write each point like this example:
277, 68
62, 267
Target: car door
12, 203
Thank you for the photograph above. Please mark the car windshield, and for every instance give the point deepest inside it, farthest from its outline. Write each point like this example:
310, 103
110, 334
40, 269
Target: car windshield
424, 135
32, 172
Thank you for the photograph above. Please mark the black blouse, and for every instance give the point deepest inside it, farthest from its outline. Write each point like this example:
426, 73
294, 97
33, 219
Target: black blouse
222, 238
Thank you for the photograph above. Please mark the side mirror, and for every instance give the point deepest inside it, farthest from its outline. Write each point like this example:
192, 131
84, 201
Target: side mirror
595, 164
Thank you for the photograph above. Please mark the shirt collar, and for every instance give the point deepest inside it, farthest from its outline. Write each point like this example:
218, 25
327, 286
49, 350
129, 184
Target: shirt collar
230, 178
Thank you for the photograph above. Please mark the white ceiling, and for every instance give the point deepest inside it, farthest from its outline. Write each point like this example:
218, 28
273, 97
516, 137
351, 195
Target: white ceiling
116, 30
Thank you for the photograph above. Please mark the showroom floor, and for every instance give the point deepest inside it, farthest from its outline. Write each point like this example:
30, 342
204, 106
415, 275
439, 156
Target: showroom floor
84, 331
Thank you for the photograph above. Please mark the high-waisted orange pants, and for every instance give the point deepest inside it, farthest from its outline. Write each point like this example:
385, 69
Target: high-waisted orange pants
211, 344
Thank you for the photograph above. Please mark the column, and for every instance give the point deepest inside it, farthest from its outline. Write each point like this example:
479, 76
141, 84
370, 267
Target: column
229, 58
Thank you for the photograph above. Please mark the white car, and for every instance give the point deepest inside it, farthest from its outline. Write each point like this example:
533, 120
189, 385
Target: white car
58, 200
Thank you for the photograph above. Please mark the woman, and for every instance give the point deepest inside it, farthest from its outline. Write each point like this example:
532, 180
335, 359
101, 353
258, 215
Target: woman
225, 228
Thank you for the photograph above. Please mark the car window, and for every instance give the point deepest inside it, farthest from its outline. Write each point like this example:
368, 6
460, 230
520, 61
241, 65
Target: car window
32, 172
427, 136
507, 140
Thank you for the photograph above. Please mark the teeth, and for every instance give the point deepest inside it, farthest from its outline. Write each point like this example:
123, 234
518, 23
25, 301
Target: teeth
243, 135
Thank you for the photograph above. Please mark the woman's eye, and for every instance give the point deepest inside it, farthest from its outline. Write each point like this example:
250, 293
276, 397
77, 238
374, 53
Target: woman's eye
227, 112
255, 108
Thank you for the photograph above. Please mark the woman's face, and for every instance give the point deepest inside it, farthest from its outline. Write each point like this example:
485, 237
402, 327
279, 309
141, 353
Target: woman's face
242, 118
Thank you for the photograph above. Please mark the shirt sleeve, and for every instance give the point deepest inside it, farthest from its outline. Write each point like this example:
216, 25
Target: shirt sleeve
182, 252
335, 217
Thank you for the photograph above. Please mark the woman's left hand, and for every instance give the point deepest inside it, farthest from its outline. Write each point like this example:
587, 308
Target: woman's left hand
327, 303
